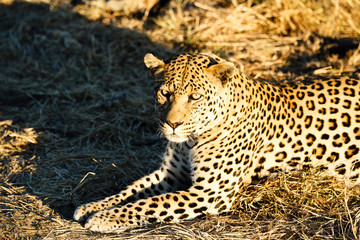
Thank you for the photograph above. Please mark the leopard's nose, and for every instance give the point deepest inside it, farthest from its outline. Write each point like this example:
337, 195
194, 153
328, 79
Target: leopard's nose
174, 125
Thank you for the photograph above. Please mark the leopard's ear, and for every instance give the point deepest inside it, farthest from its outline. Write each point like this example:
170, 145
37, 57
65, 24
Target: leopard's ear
222, 71
154, 64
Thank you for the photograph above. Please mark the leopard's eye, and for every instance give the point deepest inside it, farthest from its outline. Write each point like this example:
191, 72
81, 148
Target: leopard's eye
196, 96
165, 93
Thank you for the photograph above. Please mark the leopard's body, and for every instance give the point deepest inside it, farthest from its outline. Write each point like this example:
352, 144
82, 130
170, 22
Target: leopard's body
226, 130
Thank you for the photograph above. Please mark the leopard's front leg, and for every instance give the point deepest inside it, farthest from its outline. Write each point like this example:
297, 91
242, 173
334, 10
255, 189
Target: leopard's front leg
168, 207
165, 179
83, 211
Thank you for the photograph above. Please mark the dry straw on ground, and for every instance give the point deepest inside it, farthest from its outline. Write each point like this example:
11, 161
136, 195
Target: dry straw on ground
76, 110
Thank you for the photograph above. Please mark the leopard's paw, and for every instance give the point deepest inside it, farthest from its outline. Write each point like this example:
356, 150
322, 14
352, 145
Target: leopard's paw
83, 212
102, 222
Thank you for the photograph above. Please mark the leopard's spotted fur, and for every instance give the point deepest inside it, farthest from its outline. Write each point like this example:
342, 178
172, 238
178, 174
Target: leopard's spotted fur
226, 130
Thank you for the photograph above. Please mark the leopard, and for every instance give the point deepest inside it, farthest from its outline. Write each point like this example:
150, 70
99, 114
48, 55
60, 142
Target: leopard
225, 131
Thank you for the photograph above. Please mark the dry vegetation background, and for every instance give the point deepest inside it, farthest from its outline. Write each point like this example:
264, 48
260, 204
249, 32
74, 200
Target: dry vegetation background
76, 109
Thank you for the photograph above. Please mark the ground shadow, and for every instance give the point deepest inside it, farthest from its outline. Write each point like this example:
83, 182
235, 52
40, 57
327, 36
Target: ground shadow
317, 52
83, 88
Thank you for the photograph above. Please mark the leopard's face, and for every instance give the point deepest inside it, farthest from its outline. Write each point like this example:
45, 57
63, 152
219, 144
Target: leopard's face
191, 94
187, 109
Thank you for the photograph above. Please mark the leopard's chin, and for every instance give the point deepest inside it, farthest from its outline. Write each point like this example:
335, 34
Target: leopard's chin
176, 138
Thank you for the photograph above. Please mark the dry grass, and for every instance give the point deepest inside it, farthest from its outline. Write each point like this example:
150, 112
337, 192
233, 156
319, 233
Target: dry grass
76, 110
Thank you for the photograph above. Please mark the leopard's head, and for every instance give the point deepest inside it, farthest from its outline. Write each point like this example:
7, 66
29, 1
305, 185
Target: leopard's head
191, 93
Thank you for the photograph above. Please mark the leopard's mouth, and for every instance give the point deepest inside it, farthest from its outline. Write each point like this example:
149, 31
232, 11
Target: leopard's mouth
175, 135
